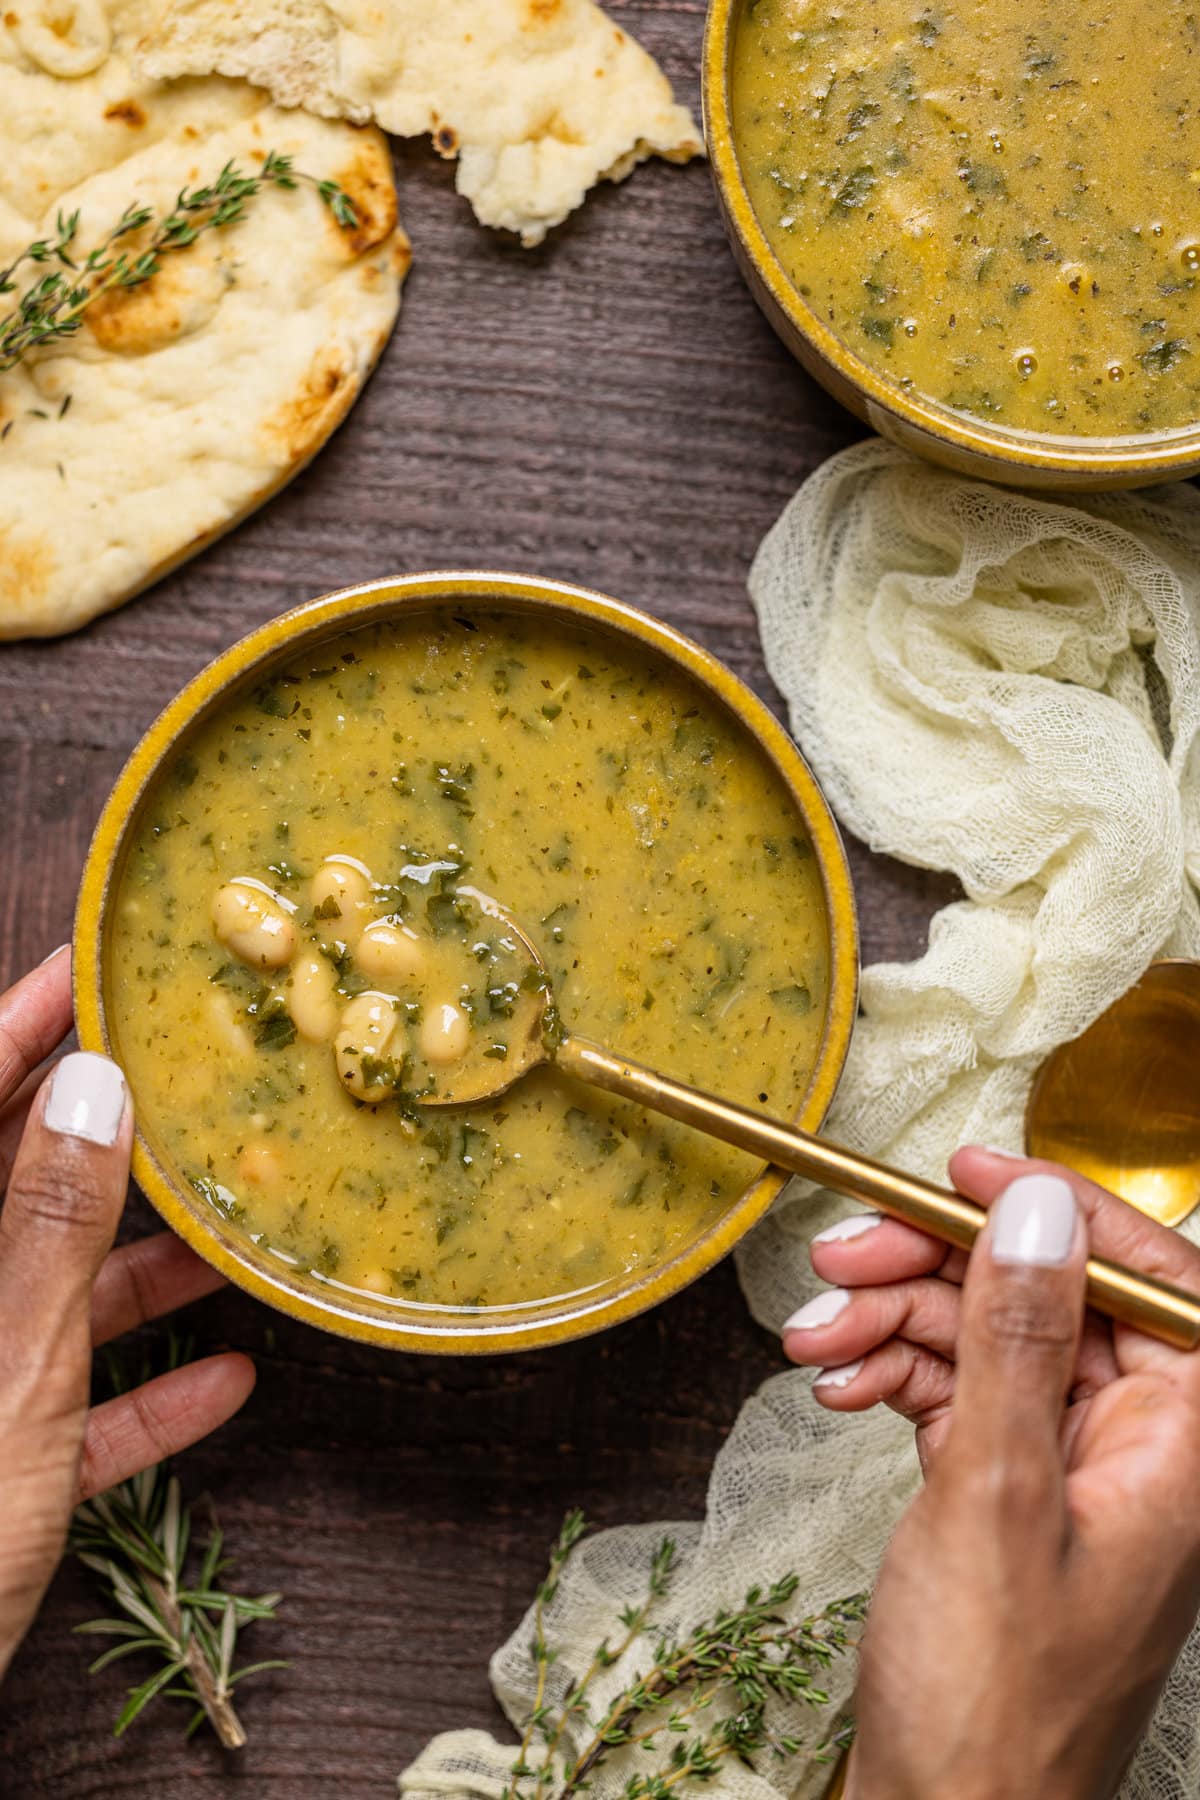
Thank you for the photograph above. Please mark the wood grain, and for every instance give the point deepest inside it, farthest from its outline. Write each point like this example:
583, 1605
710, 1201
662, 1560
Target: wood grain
609, 409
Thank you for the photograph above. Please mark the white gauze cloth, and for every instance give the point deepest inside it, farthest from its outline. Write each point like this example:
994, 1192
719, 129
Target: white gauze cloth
1007, 688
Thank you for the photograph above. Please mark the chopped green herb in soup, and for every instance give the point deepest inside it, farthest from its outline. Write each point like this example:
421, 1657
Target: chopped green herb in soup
997, 206
302, 954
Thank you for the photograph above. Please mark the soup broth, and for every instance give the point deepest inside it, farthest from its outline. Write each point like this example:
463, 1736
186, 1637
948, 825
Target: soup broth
294, 952
995, 205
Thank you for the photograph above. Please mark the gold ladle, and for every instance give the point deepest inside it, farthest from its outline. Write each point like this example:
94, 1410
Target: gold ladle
536, 1036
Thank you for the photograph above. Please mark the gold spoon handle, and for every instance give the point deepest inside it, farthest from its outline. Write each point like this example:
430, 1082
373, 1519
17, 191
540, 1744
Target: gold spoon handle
1155, 1307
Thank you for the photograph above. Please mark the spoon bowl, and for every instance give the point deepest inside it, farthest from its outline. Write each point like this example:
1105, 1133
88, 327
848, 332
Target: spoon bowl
517, 973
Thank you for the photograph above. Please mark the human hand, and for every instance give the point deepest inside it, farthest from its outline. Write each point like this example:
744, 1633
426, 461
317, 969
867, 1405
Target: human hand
1037, 1591
64, 1163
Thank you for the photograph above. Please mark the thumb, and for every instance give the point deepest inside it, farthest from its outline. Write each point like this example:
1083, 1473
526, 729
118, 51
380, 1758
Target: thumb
60, 1213
1022, 1314
64, 1199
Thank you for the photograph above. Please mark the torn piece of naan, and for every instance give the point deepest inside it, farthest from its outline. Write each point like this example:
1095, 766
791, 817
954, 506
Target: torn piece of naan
184, 403
538, 99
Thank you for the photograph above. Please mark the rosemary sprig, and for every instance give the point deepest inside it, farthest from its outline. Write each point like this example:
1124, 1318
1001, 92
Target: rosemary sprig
706, 1695
53, 305
135, 1538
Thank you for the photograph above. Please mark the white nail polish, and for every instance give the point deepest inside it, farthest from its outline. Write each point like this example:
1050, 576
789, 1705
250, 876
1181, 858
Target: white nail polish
87, 1099
850, 1227
1033, 1222
839, 1378
823, 1310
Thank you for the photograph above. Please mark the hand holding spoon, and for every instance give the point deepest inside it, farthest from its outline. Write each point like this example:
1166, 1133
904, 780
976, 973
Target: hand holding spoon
536, 1036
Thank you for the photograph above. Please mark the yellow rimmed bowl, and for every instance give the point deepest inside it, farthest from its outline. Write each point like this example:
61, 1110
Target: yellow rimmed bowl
912, 420
411, 1325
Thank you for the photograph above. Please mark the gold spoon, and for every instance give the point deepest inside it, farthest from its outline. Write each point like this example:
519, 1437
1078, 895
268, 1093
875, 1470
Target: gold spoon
1121, 1103
536, 1036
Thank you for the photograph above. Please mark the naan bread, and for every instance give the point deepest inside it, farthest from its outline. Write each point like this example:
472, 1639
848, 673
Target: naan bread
538, 99
182, 405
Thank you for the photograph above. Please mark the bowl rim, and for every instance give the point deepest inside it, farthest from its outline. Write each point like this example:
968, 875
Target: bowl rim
348, 609
1144, 458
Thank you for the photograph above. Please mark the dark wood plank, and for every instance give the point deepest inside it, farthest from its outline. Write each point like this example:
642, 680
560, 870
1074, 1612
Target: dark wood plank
609, 409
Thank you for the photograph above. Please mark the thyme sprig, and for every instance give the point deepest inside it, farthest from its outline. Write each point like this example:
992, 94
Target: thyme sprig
53, 305
706, 1695
135, 1538
573, 1528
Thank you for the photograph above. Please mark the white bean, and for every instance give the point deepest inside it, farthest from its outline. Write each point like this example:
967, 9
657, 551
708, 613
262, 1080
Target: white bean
312, 998
229, 1034
194, 1085
260, 1165
376, 1281
389, 951
341, 893
444, 1034
255, 924
368, 1028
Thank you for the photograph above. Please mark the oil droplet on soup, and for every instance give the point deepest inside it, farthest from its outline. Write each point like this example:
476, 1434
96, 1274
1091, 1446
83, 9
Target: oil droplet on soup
992, 205
278, 1044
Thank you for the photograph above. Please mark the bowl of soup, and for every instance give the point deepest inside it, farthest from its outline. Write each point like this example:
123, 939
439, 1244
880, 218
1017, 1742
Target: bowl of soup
280, 938
978, 226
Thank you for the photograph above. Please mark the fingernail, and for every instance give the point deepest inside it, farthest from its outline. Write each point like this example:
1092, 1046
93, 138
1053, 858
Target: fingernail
850, 1227
995, 1150
821, 1311
52, 955
1033, 1221
87, 1099
839, 1378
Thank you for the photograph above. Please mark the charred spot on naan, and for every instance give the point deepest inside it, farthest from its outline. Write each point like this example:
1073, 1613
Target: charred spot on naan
181, 299
367, 180
392, 266
553, 125
126, 112
301, 425
27, 566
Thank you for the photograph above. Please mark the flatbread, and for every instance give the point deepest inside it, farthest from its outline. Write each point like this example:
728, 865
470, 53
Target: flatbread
538, 99
182, 405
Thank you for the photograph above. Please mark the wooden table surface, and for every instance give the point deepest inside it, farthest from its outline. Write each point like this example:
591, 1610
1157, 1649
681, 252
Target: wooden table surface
610, 409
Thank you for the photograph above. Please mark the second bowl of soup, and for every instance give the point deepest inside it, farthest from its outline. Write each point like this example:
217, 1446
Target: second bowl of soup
279, 939
977, 224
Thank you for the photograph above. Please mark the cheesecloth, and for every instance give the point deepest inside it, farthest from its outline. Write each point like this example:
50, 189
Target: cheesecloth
1005, 687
